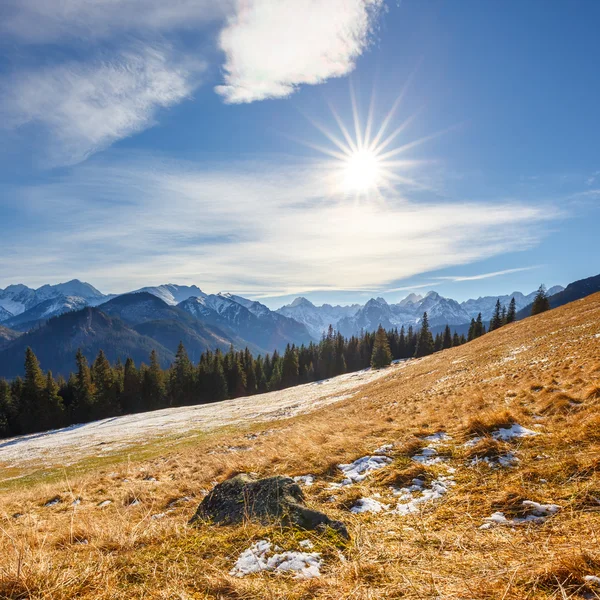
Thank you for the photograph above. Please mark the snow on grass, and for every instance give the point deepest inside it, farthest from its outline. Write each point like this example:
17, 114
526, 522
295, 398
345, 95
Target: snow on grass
71, 444
368, 505
514, 431
428, 456
537, 513
361, 467
411, 504
505, 460
384, 449
259, 557
440, 436
305, 480
592, 579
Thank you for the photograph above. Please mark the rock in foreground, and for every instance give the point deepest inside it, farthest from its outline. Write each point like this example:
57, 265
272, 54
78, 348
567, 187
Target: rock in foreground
263, 500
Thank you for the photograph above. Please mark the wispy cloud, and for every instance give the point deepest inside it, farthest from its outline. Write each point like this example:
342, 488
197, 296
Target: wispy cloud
82, 107
225, 228
486, 275
44, 21
272, 47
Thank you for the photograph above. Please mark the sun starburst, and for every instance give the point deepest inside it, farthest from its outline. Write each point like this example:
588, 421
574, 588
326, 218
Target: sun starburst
365, 160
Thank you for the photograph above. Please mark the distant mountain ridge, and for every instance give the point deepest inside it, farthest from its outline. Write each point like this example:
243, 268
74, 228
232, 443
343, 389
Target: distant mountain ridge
232, 319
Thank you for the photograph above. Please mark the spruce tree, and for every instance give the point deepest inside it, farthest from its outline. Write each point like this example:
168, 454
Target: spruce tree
541, 303
181, 381
472, 329
131, 399
447, 343
496, 321
33, 386
382, 356
84, 391
153, 385
512, 311
105, 401
479, 327
290, 367
50, 413
425, 345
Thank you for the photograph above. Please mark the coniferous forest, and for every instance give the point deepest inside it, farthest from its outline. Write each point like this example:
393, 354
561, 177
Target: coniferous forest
39, 402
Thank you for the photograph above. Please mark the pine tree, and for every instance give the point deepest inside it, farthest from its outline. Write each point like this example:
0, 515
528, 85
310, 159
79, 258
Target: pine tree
84, 391
456, 340
105, 400
131, 399
472, 329
33, 386
290, 367
496, 321
382, 356
50, 412
447, 343
512, 311
541, 303
437, 344
153, 385
6, 412
425, 345
181, 381
479, 327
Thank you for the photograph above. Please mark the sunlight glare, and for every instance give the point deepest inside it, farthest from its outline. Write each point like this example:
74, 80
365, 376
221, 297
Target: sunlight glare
362, 172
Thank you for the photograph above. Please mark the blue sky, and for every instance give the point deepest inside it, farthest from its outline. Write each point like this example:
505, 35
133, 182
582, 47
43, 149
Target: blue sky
145, 143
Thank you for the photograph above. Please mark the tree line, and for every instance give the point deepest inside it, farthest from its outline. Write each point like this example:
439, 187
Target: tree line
38, 401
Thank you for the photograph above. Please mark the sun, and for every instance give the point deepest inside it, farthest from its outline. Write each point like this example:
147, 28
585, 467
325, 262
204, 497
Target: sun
362, 172
364, 159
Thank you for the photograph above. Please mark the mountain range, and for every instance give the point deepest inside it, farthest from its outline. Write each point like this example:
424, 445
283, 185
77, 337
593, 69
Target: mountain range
75, 314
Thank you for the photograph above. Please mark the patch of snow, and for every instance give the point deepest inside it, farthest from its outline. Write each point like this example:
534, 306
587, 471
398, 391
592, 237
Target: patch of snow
538, 513
307, 544
368, 505
440, 436
384, 449
428, 456
53, 502
592, 579
71, 444
410, 504
161, 515
255, 559
361, 467
472, 442
514, 431
305, 480
506, 460
104, 503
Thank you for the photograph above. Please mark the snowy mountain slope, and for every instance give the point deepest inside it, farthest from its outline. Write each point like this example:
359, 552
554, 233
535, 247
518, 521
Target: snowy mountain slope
19, 298
171, 293
249, 320
4, 314
317, 318
45, 310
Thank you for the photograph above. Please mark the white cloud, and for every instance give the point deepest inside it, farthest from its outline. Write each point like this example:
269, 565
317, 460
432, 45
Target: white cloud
487, 275
42, 21
84, 107
143, 223
272, 47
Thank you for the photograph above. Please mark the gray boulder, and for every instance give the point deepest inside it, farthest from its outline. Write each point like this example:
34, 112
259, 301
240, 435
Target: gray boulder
264, 500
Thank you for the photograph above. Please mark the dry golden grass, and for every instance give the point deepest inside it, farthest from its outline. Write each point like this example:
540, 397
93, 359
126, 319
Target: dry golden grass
140, 546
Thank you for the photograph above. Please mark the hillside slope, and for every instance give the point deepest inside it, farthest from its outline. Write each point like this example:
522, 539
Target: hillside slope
56, 342
489, 488
574, 291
